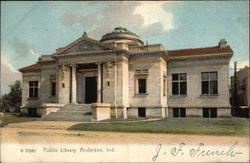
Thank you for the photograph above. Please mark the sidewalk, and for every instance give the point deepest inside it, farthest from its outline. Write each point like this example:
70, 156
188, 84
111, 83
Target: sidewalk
62, 125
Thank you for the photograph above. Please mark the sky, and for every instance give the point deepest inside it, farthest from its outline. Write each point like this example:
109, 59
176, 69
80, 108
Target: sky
30, 29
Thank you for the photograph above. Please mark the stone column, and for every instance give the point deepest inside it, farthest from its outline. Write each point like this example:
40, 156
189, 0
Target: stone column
99, 84
74, 91
63, 84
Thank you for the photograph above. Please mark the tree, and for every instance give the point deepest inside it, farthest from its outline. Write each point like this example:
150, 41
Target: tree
13, 99
15, 95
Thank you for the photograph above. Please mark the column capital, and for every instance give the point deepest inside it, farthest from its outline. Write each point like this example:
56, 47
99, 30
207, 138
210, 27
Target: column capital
98, 63
63, 66
73, 65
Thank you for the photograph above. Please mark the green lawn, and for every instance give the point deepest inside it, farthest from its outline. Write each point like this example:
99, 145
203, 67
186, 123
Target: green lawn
14, 118
200, 126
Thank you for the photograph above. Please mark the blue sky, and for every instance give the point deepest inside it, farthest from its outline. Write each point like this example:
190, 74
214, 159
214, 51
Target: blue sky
30, 29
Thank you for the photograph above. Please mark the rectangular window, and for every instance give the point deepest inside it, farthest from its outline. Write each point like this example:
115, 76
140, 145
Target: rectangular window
142, 85
179, 84
182, 112
209, 83
53, 88
32, 112
205, 87
33, 89
205, 112
183, 88
179, 112
175, 112
213, 112
141, 112
175, 88
209, 112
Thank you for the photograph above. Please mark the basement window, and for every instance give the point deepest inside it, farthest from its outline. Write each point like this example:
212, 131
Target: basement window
141, 112
209, 112
179, 112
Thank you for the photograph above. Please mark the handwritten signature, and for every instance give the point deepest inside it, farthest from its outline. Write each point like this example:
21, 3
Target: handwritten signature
200, 151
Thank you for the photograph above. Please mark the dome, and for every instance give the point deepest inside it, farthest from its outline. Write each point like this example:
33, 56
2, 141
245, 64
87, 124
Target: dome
120, 33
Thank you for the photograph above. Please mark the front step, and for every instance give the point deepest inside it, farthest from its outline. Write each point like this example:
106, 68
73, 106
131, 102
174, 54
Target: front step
71, 112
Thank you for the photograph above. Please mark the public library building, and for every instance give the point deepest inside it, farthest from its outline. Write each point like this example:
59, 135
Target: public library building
119, 76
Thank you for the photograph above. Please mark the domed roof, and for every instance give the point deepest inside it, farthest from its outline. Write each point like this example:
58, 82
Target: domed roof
120, 33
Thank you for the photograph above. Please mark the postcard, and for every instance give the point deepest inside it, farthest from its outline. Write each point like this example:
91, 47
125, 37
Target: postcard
124, 81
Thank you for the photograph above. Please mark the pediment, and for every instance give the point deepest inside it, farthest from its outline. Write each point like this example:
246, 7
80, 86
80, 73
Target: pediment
84, 47
84, 44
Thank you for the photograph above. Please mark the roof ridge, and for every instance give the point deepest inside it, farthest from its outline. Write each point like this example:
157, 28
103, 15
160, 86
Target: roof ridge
200, 51
33, 67
197, 48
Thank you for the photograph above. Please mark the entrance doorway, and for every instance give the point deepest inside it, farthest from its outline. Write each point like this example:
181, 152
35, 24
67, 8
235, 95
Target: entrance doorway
90, 90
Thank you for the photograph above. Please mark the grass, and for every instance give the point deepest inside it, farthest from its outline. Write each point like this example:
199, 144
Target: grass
14, 118
199, 126
123, 120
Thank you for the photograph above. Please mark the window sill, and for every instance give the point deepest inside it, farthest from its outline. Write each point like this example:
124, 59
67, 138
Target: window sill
178, 96
32, 99
209, 95
141, 94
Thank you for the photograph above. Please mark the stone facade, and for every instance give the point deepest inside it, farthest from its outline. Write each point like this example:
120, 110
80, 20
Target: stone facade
194, 101
130, 79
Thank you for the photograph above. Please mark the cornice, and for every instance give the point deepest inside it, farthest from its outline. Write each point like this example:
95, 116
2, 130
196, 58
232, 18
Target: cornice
47, 62
145, 61
198, 65
203, 56
31, 74
162, 54
96, 61
91, 53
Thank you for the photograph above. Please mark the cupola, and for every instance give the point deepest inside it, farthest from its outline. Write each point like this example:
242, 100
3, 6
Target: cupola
120, 34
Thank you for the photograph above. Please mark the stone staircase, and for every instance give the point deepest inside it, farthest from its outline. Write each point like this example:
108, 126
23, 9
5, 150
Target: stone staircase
71, 112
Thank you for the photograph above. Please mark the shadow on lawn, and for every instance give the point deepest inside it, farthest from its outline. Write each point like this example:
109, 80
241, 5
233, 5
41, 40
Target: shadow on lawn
14, 118
199, 126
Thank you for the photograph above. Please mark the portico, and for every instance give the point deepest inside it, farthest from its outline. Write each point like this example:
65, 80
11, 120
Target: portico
79, 76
